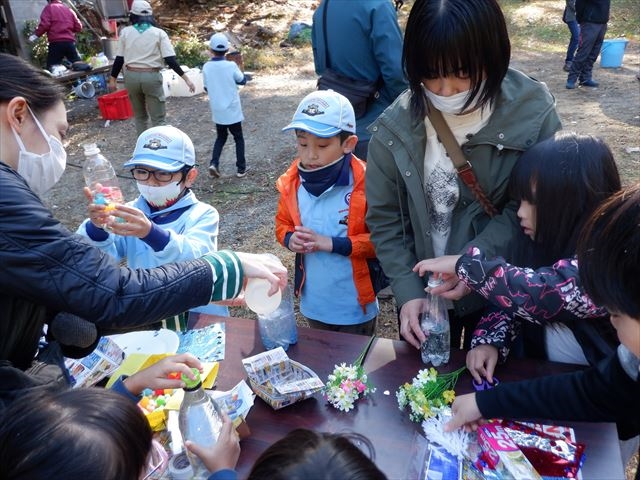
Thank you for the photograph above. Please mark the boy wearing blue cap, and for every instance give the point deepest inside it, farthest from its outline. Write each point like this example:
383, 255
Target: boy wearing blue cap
321, 215
166, 223
221, 79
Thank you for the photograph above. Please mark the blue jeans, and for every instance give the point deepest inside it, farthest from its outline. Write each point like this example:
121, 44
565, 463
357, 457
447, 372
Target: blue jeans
574, 28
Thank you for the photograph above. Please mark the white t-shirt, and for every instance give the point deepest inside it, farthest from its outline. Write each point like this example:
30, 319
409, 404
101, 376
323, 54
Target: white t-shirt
440, 177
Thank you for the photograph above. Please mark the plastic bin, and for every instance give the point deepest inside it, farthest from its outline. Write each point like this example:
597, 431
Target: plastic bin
115, 106
612, 52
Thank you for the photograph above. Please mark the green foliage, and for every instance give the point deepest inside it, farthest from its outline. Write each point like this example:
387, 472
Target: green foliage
190, 51
86, 42
39, 48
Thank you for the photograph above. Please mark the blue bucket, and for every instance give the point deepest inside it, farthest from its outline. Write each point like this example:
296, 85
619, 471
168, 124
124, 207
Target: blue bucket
612, 52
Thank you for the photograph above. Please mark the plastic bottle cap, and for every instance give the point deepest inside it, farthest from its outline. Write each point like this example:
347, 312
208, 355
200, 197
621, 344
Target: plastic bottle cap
434, 281
256, 295
189, 383
91, 149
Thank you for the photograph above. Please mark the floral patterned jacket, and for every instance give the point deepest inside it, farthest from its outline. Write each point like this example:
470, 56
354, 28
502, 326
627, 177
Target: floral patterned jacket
539, 296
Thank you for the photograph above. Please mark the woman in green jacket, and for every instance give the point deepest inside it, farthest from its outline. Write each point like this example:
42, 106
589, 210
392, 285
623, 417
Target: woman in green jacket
456, 55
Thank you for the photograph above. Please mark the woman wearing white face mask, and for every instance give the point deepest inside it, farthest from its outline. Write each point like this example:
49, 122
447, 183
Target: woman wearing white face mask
456, 55
46, 270
166, 223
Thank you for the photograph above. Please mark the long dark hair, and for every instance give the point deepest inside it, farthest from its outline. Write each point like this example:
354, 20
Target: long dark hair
305, 454
77, 434
566, 177
609, 253
448, 37
21, 79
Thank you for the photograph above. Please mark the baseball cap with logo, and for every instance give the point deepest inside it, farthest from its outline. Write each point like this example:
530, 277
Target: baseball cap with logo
141, 7
324, 113
219, 42
165, 148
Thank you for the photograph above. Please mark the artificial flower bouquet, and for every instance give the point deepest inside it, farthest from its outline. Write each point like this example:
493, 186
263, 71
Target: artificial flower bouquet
348, 383
429, 392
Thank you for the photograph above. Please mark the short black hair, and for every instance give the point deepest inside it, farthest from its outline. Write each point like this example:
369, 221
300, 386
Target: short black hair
609, 253
450, 37
303, 453
566, 177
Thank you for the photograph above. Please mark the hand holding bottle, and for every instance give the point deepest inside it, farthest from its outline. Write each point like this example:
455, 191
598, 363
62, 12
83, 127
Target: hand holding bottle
224, 454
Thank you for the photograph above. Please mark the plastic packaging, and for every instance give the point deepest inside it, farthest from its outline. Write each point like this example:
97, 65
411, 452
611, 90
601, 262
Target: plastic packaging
100, 177
256, 296
200, 420
434, 322
278, 328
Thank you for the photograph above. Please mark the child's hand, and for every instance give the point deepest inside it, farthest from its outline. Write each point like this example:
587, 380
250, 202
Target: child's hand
445, 264
98, 214
156, 376
225, 453
481, 362
465, 414
306, 240
129, 222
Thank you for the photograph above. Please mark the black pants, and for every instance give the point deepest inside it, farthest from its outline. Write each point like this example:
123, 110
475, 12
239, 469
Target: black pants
59, 50
223, 133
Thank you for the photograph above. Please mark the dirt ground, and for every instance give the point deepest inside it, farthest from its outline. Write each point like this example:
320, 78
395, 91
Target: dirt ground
247, 205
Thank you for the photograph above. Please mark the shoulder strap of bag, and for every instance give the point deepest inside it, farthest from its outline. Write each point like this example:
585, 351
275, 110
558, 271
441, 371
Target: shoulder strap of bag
461, 164
324, 32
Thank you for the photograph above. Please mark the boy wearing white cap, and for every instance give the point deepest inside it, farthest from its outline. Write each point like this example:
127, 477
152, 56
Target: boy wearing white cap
166, 223
321, 215
221, 79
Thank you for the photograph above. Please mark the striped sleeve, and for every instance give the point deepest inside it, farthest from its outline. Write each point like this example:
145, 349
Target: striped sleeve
228, 275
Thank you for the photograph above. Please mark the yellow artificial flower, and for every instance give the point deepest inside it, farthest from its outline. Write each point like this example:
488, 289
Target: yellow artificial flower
449, 396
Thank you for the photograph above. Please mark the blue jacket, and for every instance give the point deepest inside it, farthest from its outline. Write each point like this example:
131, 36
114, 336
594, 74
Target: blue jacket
46, 269
370, 30
184, 231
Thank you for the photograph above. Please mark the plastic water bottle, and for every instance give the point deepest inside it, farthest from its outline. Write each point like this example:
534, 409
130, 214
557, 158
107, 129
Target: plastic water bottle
199, 419
100, 177
278, 328
434, 322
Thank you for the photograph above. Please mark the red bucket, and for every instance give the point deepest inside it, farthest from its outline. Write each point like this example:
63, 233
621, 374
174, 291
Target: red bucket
115, 106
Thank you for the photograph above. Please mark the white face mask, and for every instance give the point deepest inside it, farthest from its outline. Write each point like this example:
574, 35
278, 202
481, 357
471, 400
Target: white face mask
453, 104
41, 171
160, 197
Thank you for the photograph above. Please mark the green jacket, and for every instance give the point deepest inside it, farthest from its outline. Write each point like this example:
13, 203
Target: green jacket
397, 207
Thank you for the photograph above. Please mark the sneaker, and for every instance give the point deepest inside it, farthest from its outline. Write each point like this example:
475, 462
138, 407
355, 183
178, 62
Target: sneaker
242, 173
567, 66
571, 84
589, 83
213, 171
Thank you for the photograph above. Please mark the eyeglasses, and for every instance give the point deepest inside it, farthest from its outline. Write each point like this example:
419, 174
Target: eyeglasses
142, 175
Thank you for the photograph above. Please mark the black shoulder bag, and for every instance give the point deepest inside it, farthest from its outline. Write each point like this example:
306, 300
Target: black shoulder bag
358, 92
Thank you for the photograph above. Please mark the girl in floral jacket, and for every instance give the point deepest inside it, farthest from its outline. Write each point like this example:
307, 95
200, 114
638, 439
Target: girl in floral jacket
559, 183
